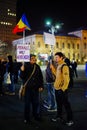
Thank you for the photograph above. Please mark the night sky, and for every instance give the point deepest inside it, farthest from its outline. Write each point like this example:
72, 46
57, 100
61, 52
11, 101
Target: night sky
72, 13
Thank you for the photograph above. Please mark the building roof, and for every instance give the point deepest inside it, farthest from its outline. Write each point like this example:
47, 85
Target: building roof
57, 34
81, 28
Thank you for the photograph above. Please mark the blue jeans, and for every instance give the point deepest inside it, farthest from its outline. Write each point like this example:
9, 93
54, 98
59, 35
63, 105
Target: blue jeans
51, 95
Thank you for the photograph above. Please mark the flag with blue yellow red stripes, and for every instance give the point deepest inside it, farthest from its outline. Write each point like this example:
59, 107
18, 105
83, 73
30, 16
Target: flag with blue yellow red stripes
21, 25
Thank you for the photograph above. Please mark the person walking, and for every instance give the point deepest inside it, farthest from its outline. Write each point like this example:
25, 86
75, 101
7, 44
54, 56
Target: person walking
74, 67
33, 87
61, 89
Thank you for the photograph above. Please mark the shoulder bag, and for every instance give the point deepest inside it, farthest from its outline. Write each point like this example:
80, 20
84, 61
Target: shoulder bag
23, 87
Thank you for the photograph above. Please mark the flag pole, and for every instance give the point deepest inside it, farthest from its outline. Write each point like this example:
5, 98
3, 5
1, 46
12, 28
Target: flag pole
23, 36
23, 42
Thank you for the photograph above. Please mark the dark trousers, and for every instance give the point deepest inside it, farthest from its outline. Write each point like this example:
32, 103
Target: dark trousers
31, 101
62, 100
75, 73
1, 91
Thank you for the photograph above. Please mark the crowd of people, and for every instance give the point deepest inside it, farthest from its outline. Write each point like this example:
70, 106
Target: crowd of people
57, 84
11, 67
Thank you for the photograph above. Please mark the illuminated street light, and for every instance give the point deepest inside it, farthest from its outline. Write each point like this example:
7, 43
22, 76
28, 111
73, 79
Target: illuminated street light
48, 23
53, 29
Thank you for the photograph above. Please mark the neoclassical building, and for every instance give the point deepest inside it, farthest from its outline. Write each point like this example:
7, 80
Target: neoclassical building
73, 45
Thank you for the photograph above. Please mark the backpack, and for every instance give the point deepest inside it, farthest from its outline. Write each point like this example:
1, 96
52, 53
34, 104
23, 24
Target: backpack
71, 75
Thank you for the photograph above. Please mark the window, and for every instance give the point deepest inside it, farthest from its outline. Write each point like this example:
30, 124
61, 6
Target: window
57, 45
63, 45
73, 55
68, 45
46, 45
73, 46
38, 44
77, 46
78, 56
84, 45
69, 55
84, 37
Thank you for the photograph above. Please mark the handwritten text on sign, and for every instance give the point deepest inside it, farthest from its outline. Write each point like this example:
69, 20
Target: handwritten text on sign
23, 53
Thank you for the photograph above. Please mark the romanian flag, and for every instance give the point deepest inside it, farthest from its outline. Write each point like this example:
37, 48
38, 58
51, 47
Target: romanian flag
22, 25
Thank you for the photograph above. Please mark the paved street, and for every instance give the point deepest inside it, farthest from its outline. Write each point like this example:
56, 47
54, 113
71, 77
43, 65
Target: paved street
11, 110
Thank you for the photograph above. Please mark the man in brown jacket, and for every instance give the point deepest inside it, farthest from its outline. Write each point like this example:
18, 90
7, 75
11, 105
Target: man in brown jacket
61, 89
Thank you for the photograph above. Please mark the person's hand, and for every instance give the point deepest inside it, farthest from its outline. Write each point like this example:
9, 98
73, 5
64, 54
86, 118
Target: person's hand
40, 89
51, 66
22, 67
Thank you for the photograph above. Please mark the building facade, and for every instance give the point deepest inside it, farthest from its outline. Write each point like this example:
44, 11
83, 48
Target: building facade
73, 45
7, 23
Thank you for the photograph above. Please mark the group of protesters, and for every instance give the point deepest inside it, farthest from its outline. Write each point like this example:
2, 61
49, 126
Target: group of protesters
56, 82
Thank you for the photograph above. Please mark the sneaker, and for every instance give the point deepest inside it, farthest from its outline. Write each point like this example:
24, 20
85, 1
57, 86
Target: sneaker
1, 95
11, 93
57, 119
52, 110
6, 92
70, 123
45, 101
27, 121
46, 106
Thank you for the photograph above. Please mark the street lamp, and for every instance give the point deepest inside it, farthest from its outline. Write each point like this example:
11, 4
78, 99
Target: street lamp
53, 29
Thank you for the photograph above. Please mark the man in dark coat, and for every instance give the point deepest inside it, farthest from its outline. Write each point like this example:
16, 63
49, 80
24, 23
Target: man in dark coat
33, 87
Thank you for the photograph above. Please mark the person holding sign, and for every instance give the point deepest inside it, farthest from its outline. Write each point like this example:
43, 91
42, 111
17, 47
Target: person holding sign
33, 87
